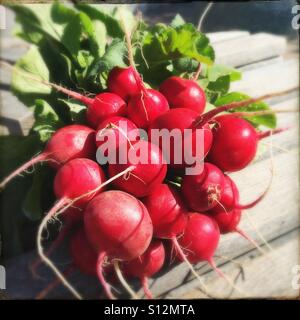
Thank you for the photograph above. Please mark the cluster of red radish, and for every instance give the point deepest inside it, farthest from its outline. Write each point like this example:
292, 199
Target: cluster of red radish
122, 214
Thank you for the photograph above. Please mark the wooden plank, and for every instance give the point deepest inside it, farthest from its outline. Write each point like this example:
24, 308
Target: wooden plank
272, 76
272, 274
226, 35
245, 50
5, 79
15, 117
12, 48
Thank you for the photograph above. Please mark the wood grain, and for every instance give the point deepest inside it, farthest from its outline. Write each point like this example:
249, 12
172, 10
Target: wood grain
241, 51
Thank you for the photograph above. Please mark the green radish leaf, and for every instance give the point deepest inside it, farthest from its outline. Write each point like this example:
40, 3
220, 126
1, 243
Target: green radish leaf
100, 36
95, 32
114, 56
268, 120
14, 151
31, 64
97, 13
125, 16
32, 206
185, 65
77, 110
203, 83
220, 86
46, 120
48, 19
163, 43
216, 71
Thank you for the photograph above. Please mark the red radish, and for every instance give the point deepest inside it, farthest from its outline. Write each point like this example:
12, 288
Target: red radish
119, 227
203, 191
117, 129
226, 220
200, 239
230, 196
168, 215
144, 175
67, 143
78, 178
75, 178
73, 215
167, 211
122, 81
105, 105
183, 93
234, 142
84, 257
181, 119
146, 265
145, 106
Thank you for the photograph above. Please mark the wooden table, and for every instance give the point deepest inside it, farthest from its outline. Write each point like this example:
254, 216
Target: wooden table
269, 63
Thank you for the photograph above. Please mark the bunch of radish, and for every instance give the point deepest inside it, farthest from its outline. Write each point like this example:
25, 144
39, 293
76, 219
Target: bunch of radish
123, 214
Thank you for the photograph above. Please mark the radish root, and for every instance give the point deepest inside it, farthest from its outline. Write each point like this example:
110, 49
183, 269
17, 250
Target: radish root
183, 256
146, 289
123, 281
106, 286
41, 253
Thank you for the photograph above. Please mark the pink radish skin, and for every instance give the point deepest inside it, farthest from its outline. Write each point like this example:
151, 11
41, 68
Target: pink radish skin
146, 106
105, 105
67, 143
235, 142
183, 93
201, 238
167, 211
78, 177
73, 215
230, 196
181, 119
202, 192
120, 130
119, 227
84, 257
147, 265
122, 81
227, 221
144, 177
169, 216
